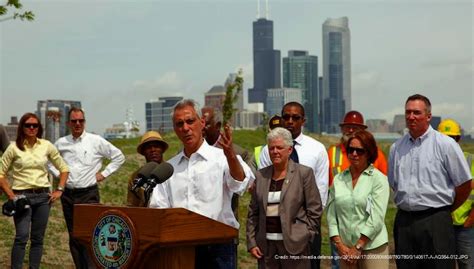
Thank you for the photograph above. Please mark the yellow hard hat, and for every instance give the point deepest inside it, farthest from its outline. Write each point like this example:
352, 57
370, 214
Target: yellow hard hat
449, 127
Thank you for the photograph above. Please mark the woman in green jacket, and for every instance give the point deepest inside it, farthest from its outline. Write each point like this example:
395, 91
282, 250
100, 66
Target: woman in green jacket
356, 208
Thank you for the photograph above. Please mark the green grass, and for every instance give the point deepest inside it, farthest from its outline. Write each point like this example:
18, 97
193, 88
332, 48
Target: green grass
113, 192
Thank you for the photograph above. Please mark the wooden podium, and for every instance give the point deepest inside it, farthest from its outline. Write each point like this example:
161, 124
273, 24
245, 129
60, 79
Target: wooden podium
145, 237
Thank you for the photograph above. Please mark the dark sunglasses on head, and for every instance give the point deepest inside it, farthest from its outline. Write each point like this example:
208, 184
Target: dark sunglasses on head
294, 117
31, 125
78, 121
360, 151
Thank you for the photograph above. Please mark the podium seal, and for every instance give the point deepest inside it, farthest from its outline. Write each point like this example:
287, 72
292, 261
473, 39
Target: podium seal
113, 240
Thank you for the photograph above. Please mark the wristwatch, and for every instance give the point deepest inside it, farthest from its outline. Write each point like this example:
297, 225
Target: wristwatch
60, 188
358, 247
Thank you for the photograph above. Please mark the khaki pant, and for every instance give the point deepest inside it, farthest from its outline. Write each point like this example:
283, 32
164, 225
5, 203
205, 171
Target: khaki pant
381, 262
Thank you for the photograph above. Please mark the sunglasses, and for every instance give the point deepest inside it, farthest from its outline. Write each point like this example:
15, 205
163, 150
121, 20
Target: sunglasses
31, 125
360, 151
77, 121
294, 117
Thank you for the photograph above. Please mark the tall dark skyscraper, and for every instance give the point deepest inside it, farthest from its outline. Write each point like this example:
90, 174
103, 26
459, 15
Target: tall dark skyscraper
336, 72
266, 61
300, 70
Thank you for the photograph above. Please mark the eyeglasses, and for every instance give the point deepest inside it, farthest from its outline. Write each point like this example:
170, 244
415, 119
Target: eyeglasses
77, 121
294, 117
31, 125
360, 151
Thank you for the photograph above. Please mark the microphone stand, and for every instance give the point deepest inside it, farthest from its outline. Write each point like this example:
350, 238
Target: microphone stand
147, 194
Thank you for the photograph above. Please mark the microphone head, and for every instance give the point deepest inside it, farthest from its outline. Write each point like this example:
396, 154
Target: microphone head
145, 171
162, 172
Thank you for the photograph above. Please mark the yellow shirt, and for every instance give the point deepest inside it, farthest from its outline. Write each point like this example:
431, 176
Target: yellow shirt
28, 167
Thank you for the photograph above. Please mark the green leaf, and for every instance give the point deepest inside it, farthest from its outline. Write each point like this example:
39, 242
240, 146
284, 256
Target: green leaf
15, 3
28, 15
231, 97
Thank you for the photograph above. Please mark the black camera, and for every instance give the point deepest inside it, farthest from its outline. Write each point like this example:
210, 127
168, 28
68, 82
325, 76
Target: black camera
16, 206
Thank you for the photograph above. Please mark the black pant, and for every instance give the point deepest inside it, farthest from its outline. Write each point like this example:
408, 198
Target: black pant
316, 250
217, 256
79, 252
428, 234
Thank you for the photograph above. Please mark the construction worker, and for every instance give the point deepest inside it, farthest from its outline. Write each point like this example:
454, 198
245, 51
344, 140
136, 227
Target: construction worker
463, 216
338, 161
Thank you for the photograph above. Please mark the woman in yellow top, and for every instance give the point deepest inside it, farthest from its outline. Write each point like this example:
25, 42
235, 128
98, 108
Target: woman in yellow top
26, 160
356, 208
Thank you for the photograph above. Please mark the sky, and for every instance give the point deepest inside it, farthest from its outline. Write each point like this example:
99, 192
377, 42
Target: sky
113, 55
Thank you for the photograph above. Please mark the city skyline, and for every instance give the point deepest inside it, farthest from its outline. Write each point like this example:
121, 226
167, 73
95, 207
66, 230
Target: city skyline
118, 55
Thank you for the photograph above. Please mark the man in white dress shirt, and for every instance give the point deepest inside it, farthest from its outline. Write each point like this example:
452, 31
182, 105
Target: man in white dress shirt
83, 152
308, 152
204, 180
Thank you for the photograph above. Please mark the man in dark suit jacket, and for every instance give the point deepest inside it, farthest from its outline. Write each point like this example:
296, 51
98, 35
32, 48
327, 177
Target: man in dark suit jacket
285, 210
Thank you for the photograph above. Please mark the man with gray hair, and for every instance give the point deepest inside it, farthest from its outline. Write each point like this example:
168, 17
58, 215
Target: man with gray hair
204, 180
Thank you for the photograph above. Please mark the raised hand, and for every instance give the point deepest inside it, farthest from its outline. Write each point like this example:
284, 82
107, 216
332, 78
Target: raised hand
225, 141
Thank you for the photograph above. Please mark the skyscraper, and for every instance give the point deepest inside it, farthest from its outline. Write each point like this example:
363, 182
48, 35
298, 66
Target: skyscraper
336, 72
300, 70
278, 97
54, 115
266, 60
158, 114
215, 98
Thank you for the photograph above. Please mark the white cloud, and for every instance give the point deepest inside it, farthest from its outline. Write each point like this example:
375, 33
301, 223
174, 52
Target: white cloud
167, 82
442, 62
448, 109
366, 80
450, 68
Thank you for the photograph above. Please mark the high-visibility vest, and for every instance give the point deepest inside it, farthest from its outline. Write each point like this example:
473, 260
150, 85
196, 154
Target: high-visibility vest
461, 214
336, 161
339, 162
256, 154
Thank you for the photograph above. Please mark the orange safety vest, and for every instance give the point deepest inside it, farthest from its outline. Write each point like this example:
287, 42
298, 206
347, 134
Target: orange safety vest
339, 162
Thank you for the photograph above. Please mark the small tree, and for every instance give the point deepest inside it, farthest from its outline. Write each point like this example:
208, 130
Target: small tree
16, 5
231, 97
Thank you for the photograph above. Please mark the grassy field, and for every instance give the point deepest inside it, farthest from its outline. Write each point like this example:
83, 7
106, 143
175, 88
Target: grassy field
113, 192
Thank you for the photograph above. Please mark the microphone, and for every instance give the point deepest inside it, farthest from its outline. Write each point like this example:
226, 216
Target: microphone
160, 174
143, 175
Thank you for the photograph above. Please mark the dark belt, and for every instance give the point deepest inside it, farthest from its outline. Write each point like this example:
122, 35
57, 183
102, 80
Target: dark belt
80, 190
428, 211
35, 190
